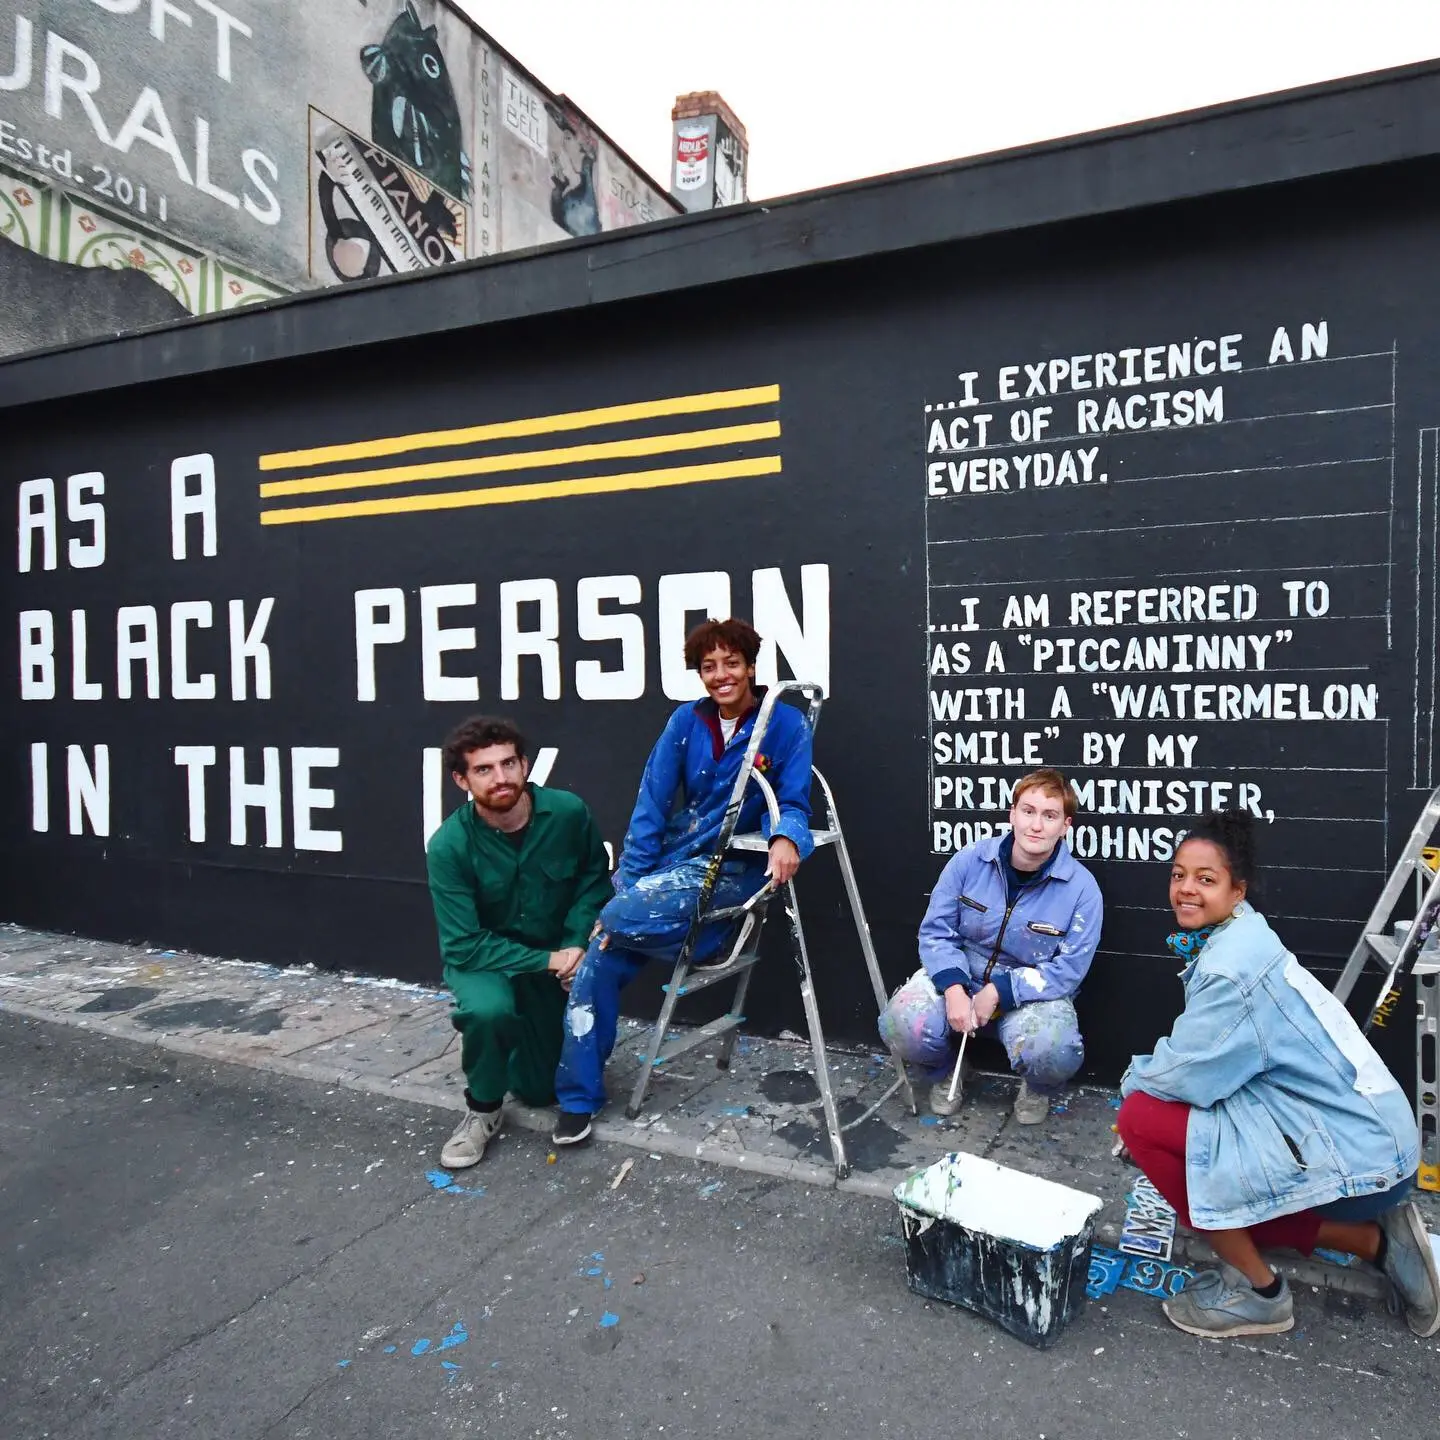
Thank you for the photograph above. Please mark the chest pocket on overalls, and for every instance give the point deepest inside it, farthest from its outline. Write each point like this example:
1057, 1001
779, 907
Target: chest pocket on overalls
1043, 939
559, 879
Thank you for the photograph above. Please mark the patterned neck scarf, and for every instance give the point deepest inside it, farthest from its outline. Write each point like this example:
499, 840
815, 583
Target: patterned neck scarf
1187, 944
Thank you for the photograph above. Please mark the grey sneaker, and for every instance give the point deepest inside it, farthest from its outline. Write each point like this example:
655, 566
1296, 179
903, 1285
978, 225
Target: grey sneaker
1410, 1268
940, 1101
1031, 1108
1214, 1305
465, 1147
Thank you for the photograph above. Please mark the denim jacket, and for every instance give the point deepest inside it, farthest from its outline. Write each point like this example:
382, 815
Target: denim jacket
1291, 1107
1041, 946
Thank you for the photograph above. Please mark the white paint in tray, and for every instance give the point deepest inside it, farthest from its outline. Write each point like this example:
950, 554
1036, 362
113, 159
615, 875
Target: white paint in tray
990, 1199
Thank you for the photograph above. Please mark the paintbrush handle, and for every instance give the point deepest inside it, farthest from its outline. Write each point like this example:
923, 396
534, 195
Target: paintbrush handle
959, 1061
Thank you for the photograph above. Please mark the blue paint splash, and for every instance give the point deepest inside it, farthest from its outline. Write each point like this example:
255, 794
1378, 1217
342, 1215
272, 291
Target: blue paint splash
608, 1319
929, 1119
734, 1109
458, 1336
444, 1181
342, 1364
391, 1349
450, 1365
712, 1187
419, 1347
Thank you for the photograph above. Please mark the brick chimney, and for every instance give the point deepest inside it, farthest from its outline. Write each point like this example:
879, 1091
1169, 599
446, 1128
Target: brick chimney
709, 152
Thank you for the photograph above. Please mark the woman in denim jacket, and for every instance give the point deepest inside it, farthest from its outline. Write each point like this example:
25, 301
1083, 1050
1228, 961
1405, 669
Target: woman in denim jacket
1265, 1118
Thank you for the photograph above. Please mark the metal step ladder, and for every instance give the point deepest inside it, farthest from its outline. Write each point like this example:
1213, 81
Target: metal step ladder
1397, 958
739, 962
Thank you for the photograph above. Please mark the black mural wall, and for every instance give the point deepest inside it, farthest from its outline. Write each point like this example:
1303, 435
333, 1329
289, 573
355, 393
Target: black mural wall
1150, 498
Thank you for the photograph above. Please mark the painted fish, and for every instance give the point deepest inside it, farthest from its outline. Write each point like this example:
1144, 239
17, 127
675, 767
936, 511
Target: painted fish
415, 115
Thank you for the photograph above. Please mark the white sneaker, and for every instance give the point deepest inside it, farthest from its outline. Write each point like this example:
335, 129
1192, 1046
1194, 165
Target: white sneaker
465, 1147
1030, 1108
940, 1101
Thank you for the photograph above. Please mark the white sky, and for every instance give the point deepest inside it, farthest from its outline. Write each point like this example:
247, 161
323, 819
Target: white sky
830, 92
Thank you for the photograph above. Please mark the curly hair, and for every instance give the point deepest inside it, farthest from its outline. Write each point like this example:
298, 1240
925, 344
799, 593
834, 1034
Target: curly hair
476, 733
1232, 833
732, 634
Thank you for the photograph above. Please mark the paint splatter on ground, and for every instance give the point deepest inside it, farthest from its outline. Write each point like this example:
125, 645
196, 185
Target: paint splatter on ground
444, 1181
423, 1347
712, 1187
608, 1319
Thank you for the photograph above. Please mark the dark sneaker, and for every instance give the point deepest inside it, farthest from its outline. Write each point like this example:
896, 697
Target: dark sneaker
572, 1128
1214, 1305
1410, 1268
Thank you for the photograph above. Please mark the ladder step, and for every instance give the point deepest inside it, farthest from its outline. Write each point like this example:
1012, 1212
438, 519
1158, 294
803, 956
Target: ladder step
676, 1046
1387, 947
704, 976
734, 912
756, 841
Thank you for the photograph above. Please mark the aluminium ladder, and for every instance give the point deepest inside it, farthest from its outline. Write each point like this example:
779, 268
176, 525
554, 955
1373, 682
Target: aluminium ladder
1398, 957
744, 952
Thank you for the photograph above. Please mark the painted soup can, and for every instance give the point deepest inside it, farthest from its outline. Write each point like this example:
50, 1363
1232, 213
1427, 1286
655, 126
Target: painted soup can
692, 155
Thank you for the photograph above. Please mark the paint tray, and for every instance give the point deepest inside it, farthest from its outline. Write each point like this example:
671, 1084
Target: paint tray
1012, 1247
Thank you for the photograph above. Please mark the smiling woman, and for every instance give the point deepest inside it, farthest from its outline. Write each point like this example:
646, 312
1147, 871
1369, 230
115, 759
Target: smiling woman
1264, 1117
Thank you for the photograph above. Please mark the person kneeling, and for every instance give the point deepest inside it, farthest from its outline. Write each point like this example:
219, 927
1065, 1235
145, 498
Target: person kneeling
1265, 1118
669, 846
517, 877
1009, 934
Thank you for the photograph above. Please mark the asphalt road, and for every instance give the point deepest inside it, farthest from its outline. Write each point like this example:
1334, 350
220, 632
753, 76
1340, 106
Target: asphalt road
197, 1251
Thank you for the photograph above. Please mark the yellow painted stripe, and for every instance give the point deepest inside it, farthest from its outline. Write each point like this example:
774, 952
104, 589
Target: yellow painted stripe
534, 490
522, 460
513, 429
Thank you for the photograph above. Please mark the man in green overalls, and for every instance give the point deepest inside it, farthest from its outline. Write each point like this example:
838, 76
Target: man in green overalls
517, 876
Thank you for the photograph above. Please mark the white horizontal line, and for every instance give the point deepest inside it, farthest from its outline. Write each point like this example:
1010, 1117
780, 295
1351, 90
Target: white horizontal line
1172, 525
1280, 570
1030, 581
1247, 470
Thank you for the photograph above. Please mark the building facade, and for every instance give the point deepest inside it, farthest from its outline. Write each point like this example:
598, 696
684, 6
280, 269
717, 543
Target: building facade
239, 151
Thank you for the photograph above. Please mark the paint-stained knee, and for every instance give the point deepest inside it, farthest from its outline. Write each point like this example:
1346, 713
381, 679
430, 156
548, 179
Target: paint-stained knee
1044, 1043
579, 1019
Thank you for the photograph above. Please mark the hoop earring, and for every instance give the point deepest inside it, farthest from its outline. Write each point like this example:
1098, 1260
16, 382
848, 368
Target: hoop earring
1238, 911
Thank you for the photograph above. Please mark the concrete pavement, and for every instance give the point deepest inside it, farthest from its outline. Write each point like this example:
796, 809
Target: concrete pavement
194, 1249
762, 1116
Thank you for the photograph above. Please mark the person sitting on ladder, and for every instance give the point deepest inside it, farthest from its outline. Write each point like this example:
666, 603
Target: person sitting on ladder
1265, 1118
671, 841
1009, 934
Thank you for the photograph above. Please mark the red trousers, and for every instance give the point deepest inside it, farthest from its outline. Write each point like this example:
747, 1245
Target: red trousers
1154, 1133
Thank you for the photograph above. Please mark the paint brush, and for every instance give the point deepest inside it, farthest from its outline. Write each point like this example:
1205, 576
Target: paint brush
959, 1061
